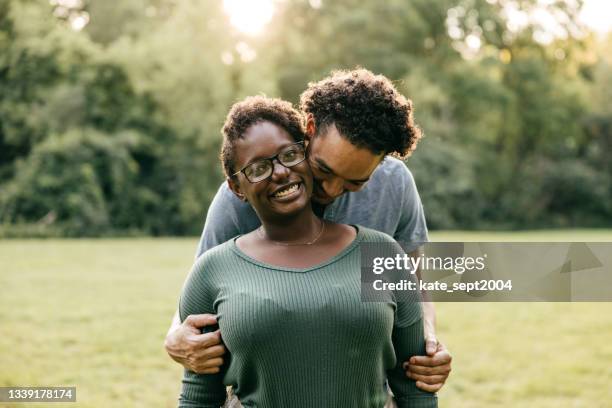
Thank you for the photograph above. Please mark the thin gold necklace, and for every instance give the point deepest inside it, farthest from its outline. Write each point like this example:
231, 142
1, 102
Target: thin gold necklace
319, 235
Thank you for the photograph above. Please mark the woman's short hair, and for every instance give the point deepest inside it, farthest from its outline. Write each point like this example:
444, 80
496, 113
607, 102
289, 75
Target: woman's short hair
253, 110
366, 109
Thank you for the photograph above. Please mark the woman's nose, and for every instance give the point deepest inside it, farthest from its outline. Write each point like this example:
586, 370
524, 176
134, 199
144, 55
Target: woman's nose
279, 172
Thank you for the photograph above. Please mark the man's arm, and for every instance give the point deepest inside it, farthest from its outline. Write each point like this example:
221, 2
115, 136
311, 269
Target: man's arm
185, 342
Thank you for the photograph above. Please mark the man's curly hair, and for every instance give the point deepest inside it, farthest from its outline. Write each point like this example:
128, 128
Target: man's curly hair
366, 109
253, 110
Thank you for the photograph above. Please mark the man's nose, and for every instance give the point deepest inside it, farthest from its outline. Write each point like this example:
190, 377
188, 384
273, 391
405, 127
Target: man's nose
333, 187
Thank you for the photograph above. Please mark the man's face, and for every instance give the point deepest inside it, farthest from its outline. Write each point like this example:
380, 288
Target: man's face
337, 165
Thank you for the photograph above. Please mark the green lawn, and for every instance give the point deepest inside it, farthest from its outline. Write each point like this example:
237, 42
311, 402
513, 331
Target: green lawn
93, 313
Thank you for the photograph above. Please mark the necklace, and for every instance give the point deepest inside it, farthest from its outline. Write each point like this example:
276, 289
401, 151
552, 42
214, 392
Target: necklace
319, 235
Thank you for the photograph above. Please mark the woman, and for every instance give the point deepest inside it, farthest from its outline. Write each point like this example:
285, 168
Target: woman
287, 295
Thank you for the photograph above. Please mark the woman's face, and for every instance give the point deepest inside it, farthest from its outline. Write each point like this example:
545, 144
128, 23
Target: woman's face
288, 190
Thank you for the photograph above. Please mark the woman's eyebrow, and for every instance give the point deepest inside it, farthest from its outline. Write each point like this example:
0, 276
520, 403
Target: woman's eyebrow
262, 157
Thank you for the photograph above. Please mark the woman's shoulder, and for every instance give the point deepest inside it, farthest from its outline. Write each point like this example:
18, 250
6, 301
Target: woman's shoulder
216, 256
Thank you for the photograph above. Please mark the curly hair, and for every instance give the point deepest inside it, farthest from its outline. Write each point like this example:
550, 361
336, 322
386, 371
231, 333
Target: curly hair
366, 109
253, 110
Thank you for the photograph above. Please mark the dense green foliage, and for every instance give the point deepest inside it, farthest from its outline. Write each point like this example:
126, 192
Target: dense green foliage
114, 129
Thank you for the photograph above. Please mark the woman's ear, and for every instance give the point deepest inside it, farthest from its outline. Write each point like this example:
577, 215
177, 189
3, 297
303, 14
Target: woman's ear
235, 187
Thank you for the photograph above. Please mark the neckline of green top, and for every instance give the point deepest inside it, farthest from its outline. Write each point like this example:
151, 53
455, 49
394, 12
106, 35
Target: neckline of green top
341, 254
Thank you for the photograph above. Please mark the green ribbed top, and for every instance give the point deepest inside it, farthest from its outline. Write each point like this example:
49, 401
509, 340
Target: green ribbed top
302, 337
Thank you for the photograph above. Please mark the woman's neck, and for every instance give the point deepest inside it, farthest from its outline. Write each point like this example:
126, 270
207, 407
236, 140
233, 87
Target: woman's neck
301, 227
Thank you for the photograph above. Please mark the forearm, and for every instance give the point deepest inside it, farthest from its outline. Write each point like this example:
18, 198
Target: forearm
429, 312
176, 321
429, 319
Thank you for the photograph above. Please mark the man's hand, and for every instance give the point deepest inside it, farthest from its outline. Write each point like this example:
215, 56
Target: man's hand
431, 371
196, 351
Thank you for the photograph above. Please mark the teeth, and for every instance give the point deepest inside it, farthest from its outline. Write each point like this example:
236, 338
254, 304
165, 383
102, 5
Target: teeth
286, 191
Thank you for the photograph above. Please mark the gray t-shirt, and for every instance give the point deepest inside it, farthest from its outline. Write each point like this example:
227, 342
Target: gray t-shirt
389, 203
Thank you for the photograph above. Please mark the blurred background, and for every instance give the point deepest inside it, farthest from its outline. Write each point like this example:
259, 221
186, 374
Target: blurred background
110, 117
110, 111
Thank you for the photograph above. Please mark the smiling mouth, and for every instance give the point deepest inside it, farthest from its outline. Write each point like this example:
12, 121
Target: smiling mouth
286, 191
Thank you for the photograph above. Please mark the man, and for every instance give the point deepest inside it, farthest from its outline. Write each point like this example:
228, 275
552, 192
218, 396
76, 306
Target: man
354, 121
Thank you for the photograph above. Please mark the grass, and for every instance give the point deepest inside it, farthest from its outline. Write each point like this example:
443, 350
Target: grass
94, 313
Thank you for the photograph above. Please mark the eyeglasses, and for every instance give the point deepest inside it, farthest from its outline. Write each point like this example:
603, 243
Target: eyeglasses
262, 169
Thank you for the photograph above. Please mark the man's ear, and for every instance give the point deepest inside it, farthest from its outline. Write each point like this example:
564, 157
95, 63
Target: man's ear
311, 128
235, 187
